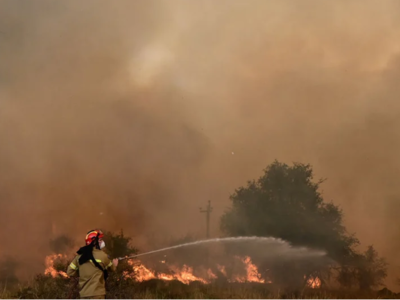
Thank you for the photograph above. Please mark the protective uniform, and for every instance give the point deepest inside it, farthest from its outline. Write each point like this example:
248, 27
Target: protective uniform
92, 274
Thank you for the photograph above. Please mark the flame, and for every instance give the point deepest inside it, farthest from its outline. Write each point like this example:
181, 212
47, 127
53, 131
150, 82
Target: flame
49, 263
252, 271
142, 273
222, 270
211, 275
313, 282
183, 274
252, 274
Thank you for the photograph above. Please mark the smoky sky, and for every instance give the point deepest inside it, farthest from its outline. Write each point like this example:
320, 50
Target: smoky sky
133, 114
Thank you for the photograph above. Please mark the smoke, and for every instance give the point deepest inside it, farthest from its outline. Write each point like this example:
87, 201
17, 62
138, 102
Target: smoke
133, 114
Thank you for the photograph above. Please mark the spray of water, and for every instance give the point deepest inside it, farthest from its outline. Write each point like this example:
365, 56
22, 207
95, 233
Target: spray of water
283, 245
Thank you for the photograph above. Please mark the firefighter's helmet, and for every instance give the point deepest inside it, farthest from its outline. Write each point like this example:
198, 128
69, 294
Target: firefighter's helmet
92, 235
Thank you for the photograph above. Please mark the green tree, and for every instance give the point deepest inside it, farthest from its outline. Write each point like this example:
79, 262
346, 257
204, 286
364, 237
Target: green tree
372, 270
366, 270
286, 203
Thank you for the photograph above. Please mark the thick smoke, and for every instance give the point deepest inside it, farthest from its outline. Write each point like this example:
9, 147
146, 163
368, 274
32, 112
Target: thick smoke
133, 114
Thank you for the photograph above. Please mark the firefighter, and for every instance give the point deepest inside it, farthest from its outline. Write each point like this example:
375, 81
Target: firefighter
91, 265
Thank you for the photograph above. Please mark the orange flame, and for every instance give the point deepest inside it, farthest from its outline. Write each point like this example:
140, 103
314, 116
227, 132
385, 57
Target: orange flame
184, 274
222, 270
252, 271
252, 274
314, 282
211, 275
49, 263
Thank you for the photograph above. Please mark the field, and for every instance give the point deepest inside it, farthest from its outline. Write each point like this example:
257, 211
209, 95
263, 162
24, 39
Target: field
136, 281
46, 287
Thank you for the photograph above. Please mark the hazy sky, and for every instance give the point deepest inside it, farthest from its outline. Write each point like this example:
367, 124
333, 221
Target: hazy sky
133, 109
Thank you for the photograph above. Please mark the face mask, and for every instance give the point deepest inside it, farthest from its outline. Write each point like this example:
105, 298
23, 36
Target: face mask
102, 244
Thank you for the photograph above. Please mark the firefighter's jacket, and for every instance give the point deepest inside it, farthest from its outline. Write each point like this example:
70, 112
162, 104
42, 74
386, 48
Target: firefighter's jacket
91, 278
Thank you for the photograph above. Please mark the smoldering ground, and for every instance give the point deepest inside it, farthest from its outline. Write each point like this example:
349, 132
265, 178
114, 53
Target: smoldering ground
133, 110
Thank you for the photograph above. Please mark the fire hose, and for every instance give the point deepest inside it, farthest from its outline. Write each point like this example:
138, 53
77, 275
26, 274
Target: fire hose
173, 247
137, 255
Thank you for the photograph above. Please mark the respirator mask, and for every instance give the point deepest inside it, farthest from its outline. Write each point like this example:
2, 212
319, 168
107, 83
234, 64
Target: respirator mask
102, 244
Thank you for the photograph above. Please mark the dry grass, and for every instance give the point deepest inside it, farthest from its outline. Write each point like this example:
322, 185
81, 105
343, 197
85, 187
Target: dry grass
45, 287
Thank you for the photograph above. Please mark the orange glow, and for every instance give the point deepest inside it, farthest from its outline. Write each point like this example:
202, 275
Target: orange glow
252, 271
314, 282
252, 274
49, 263
184, 274
222, 270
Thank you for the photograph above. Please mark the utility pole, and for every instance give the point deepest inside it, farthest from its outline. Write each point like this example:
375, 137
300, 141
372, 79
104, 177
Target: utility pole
208, 211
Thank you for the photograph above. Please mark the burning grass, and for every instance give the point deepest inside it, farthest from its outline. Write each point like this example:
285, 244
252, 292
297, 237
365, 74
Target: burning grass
186, 274
50, 263
136, 280
47, 287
